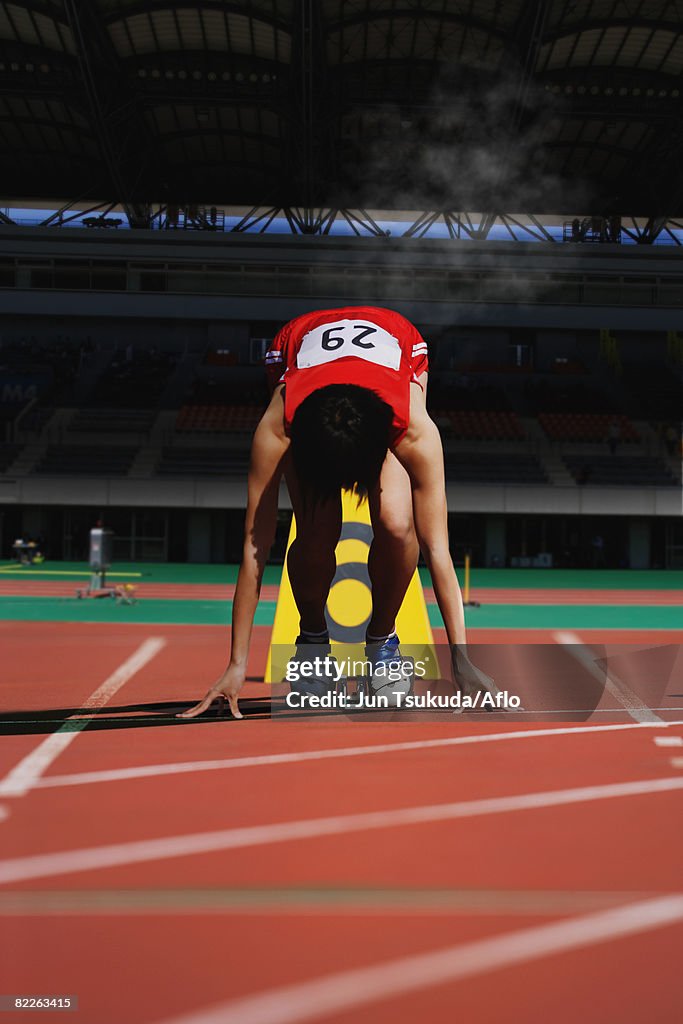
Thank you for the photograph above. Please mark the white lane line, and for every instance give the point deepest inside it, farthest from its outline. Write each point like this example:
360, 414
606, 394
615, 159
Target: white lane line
26, 774
677, 762
4, 813
347, 990
177, 768
629, 700
92, 858
669, 741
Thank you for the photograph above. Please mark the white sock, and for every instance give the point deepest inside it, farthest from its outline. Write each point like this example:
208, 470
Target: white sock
379, 639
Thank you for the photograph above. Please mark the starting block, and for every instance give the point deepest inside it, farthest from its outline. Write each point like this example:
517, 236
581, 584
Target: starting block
349, 604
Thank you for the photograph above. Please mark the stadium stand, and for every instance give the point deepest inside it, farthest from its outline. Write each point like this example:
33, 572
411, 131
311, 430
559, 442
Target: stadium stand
500, 468
225, 402
478, 393
479, 425
112, 421
179, 461
52, 363
218, 418
36, 418
8, 453
135, 378
620, 470
229, 388
550, 394
655, 391
86, 460
588, 427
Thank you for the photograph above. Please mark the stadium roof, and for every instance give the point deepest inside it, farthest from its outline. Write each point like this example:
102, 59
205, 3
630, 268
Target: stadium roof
457, 104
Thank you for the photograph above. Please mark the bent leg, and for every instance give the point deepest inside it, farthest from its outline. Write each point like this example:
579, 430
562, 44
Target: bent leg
311, 560
394, 550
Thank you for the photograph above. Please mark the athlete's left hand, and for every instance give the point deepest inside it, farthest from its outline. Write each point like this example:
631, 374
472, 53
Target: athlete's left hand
469, 678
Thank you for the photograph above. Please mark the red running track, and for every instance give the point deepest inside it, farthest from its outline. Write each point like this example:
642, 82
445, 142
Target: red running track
491, 909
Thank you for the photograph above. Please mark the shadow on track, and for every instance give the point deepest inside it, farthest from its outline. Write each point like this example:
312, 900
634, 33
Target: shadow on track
123, 716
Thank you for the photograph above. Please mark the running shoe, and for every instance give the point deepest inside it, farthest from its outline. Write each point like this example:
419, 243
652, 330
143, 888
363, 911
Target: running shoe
391, 674
322, 667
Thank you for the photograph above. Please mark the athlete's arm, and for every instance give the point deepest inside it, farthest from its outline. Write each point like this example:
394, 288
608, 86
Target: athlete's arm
267, 453
265, 471
421, 454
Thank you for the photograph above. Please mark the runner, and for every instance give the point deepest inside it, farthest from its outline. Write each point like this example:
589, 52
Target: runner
348, 411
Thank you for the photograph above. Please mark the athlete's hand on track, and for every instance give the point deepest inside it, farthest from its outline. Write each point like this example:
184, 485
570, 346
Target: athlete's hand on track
469, 678
226, 688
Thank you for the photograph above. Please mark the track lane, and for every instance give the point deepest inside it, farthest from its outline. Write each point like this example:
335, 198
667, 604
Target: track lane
605, 846
153, 808
215, 961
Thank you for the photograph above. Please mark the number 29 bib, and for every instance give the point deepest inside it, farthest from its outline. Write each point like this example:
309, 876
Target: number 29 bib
359, 338
367, 346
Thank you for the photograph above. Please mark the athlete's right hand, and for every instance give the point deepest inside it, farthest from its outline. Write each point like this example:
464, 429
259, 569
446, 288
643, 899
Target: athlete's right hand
226, 688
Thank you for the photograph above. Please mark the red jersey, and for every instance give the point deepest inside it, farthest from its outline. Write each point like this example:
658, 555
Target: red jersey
371, 347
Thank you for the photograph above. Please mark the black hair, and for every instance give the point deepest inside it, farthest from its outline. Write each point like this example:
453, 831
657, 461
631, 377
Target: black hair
340, 435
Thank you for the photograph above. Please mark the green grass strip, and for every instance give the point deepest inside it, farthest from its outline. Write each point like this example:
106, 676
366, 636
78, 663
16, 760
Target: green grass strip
218, 613
500, 616
104, 609
575, 579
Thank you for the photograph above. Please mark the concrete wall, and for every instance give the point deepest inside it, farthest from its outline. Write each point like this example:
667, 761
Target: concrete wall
437, 313
208, 494
432, 281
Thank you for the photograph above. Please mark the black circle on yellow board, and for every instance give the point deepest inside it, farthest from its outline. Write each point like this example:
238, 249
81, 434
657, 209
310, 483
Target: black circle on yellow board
341, 631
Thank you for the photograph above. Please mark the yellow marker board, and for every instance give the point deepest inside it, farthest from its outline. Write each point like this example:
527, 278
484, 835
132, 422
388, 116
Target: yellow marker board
350, 599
